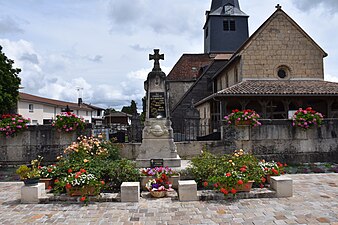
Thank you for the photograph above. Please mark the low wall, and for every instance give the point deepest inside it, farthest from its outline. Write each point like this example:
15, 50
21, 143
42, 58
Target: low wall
36, 140
279, 140
186, 150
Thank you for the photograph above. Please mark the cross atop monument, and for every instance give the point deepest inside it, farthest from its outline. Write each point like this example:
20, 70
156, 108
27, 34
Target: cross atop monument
156, 57
278, 6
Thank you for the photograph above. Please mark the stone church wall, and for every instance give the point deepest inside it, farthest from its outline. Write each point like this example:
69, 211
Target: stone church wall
281, 43
177, 90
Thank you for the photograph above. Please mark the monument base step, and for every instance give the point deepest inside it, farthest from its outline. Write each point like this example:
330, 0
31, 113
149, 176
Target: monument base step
170, 162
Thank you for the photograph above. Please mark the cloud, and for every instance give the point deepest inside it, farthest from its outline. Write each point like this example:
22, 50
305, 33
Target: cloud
33, 58
9, 26
139, 48
96, 59
330, 5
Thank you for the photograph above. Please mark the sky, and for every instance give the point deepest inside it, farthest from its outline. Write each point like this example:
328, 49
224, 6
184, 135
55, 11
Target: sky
98, 49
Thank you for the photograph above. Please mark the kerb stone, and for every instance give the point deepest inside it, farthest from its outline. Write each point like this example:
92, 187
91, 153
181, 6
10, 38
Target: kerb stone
130, 192
282, 185
187, 190
32, 194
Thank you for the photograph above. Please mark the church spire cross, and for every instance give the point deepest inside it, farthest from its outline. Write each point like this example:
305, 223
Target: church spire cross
156, 57
278, 6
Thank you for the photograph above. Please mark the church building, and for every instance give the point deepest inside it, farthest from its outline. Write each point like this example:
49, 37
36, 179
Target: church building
275, 71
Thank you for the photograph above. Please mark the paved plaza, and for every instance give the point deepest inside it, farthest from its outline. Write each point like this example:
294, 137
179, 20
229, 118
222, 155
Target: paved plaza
315, 201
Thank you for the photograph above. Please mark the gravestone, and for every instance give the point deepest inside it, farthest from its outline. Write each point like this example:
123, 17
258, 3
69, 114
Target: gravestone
158, 146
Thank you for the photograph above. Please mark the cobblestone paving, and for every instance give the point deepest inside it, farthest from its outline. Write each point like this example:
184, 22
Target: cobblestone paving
315, 201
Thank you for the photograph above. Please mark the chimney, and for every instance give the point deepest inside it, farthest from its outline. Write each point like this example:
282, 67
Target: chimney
79, 101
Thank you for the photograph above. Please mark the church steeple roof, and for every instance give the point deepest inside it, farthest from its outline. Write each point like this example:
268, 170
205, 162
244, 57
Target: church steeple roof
218, 7
215, 4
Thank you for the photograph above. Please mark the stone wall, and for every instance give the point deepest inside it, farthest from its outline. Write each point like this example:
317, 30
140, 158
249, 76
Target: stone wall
37, 140
279, 140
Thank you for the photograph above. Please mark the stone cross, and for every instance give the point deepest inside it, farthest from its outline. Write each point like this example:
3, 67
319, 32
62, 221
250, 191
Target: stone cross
156, 57
278, 6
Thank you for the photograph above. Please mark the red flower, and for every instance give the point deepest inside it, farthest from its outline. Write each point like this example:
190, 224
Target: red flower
240, 182
164, 177
216, 185
70, 170
49, 170
83, 170
102, 182
228, 174
233, 191
39, 167
274, 171
205, 184
82, 199
224, 191
56, 181
49, 187
68, 186
261, 185
243, 169
263, 179
285, 164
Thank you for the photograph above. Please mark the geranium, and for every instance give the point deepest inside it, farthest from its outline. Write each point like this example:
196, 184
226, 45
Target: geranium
307, 118
68, 122
159, 184
272, 168
237, 116
11, 124
49, 171
235, 171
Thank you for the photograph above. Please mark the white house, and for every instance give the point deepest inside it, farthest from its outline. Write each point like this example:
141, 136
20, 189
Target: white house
43, 110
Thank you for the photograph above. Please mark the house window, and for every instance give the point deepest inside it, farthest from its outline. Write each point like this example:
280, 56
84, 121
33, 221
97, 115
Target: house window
31, 108
229, 25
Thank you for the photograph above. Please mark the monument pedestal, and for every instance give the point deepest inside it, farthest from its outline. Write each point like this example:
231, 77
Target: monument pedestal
158, 147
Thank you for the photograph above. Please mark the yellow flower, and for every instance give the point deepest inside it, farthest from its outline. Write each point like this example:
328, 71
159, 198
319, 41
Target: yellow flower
85, 160
230, 161
236, 155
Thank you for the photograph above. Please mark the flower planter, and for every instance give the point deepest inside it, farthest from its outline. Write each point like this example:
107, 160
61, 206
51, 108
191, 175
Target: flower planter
80, 191
246, 187
158, 194
31, 181
243, 123
47, 181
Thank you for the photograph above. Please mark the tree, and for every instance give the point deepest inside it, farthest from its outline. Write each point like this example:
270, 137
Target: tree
9, 84
132, 109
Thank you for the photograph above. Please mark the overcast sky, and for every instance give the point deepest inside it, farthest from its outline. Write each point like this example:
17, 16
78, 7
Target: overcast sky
102, 46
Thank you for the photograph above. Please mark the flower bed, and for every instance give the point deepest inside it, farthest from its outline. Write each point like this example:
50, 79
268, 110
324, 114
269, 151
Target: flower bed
12, 124
68, 122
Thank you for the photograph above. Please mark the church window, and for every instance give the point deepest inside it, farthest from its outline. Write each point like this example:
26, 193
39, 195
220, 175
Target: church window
283, 72
229, 25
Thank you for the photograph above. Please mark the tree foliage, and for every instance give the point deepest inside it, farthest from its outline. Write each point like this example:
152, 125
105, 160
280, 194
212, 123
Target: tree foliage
9, 84
132, 109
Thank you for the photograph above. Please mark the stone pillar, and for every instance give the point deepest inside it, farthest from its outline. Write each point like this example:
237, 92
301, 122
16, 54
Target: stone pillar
158, 136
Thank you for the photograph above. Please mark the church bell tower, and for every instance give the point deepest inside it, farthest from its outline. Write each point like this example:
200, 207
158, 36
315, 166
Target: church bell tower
226, 27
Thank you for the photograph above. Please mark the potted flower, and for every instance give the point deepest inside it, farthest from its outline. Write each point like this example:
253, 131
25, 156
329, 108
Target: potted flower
79, 183
243, 117
68, 122
47, 175
12, 124
236, 172
152, 173
30, 174
272, 169
158, 187
307, 118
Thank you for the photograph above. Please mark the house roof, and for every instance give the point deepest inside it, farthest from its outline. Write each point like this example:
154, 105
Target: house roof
119, 114
188, 67
260, 29
48, 101
278, 88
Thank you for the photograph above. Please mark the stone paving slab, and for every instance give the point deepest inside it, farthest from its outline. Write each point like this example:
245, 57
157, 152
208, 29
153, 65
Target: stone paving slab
315, 201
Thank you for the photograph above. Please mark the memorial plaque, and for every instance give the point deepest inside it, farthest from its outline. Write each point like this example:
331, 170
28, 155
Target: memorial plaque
157, 105
156, 163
